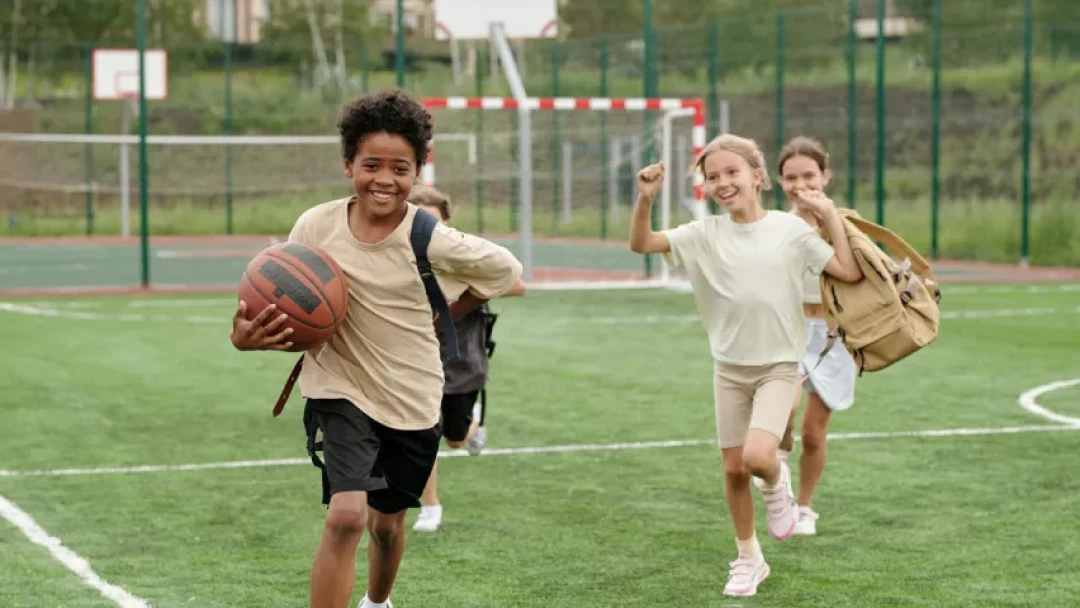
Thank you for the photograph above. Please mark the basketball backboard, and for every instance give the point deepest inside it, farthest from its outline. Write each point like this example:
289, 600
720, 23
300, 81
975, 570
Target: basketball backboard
116, 74
472, 19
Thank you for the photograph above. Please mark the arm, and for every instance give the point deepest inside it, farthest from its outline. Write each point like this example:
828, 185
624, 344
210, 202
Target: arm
842, 265
642, 237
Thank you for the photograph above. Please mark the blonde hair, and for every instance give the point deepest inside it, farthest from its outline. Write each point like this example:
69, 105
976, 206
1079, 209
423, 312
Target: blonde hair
430, 197
746, 148
804, 146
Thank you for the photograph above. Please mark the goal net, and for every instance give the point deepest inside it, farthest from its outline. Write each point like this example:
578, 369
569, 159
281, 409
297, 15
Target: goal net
585, 156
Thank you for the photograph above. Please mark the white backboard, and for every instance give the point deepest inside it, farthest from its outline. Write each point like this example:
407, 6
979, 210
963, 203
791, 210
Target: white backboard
116, 74
472, 19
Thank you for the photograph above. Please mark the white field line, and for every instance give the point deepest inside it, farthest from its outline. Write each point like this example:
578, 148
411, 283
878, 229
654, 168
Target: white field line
948, 315
71, 560
552, 449
69, 312
1029, 403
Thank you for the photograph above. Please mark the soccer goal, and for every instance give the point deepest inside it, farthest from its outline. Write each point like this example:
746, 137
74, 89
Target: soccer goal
579, 177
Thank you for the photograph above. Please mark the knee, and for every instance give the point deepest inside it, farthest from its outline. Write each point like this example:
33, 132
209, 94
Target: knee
813, 438
758, 461
455, 444
385, 529
735, 471
346, 522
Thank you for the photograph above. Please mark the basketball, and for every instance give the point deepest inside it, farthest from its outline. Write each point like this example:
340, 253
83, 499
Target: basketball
305, 283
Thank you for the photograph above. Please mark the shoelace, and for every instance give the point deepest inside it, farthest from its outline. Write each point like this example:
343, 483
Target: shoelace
776, 499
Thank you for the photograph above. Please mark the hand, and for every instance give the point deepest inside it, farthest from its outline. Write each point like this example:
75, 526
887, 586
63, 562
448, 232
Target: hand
260, 333
815, 201
649, 180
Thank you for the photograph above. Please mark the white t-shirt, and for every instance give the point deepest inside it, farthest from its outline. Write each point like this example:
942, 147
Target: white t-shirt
748, 283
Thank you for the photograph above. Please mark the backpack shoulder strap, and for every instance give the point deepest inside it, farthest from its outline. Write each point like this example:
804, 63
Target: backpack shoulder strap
420, 236
893, 243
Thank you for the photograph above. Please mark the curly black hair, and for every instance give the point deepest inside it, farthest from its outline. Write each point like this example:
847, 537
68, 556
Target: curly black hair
392, 111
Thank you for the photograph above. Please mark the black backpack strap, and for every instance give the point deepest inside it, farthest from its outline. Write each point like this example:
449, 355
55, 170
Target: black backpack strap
311, 428
423, 226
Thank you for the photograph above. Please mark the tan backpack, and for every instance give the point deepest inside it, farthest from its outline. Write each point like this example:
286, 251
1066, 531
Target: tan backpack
892, 311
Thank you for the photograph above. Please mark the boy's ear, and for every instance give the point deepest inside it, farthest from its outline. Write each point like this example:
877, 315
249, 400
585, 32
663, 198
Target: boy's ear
348, 168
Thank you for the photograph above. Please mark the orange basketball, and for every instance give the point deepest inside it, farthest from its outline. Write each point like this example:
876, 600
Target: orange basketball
305, 283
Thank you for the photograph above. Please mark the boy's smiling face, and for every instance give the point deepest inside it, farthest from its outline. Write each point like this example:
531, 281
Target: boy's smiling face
383, 172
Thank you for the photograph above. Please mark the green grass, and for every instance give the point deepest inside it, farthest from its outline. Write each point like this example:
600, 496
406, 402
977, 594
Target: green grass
934, 521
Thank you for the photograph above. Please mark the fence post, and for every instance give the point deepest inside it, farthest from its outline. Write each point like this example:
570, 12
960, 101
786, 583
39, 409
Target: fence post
479, 145
714, 90
88, 111
651, 86
1025, 178
556, 141
780, 60
935, 132
853, 103
144, 178
228, 38
603, 140
399, 55
880, 178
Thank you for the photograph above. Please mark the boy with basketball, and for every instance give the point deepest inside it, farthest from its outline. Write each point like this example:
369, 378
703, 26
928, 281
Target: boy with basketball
746, 269
375, 385
465, 378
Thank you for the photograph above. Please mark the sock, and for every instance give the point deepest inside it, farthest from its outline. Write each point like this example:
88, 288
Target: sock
750, 548
367, 603
784, 455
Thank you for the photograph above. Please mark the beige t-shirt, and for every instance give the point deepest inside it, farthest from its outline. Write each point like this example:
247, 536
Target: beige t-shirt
385, 356
748, 283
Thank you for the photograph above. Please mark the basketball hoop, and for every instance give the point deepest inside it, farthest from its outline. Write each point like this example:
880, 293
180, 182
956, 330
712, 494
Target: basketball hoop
126, 85
116, 74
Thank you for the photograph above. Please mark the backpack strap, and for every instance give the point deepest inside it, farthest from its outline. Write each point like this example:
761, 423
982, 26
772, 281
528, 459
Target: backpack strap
895, 244
420, 236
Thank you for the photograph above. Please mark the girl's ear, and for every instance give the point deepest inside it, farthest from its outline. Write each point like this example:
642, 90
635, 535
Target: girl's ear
826, 178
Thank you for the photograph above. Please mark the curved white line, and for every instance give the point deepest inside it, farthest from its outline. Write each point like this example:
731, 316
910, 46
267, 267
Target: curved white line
1027, 401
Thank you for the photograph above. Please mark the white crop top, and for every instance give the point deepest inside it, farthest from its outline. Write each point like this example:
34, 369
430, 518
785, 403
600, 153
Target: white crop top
811, 289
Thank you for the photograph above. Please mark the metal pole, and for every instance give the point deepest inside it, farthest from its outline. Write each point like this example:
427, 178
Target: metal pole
780, 60
479, 147
506, 55
144, 180
89, 129
1025, 179
603, 140
650, 91
399, 56
567, 181
556, 141
880, 193
853, 123
935, 131
229, 37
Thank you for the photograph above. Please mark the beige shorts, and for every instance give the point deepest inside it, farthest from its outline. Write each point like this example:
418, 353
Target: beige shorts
753, 397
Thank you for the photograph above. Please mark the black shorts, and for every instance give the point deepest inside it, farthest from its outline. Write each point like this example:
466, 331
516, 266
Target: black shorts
457, 415
360, 454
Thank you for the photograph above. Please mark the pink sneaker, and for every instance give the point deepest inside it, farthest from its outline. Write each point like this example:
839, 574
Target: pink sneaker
783, 513
745, 575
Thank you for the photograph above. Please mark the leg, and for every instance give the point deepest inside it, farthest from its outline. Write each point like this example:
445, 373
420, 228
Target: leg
386, 546
740, 501
350, 448
776, 389
812, 462
430, 498
334, 567
787, 442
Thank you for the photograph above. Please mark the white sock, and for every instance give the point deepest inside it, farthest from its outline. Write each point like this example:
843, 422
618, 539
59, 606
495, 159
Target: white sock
367, 603
784, 455
750, 548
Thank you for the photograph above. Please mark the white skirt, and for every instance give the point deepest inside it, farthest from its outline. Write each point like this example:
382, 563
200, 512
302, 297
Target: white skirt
834, 379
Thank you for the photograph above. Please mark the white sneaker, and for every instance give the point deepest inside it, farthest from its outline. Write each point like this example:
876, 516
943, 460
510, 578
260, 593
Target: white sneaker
745, 575
476, 443
785, 477
807, 523
365, 603
429, 520
783, 513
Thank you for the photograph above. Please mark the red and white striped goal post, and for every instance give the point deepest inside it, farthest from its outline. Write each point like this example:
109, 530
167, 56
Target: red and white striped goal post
596, 104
